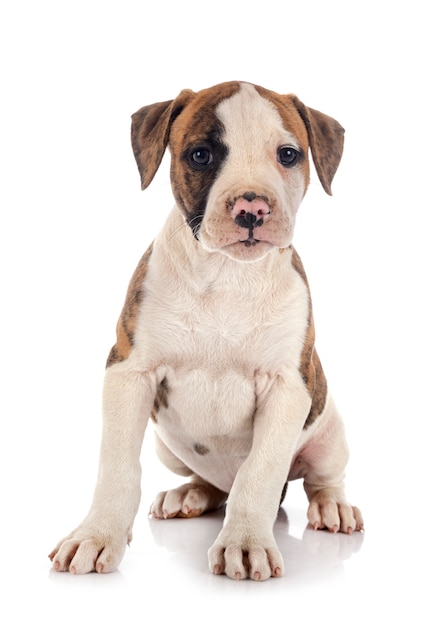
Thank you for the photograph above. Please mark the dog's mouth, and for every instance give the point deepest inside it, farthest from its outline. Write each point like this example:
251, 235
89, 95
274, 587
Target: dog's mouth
251, 241
250, 248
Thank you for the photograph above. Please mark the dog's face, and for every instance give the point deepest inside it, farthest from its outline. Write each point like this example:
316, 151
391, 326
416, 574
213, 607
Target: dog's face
239, 162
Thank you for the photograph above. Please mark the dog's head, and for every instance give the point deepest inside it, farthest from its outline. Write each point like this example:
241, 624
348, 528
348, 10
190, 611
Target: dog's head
239, 162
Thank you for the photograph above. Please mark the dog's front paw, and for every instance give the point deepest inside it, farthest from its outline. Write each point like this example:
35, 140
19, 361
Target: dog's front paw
244, 556
89, 549
189, 500
330, 510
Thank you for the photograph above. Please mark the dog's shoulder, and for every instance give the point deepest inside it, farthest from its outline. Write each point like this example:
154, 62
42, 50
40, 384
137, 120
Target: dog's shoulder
126, 325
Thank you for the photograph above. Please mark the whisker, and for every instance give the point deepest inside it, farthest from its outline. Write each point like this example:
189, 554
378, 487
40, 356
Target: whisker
194, 228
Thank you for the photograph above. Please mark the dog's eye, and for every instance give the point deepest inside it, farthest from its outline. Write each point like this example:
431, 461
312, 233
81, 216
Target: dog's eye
201, 157
288, 156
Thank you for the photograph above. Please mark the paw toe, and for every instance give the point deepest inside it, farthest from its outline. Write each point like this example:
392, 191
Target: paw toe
240, 561
234, 563
189, 500
327, 512
259, 566
84, 552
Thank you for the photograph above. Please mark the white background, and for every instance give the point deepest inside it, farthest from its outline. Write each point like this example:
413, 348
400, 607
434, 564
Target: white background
74, 223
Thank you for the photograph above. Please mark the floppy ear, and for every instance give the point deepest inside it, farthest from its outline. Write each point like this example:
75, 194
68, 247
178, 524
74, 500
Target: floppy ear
326, 139
150, 131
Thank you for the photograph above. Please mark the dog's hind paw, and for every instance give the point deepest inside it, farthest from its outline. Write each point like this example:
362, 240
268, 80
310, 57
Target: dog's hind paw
189, 500
327, 510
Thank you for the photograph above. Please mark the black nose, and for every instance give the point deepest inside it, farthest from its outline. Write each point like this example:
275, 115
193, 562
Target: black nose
248, 220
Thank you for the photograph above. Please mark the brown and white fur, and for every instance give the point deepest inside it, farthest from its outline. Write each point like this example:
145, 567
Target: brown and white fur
216, 338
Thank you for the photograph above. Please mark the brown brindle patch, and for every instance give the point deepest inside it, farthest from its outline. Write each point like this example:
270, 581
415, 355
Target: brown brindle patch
310, 365
126, 324
317, 382
197, 126
150, 131
291, 120
161, 399
185, 123
326, 138
323, 133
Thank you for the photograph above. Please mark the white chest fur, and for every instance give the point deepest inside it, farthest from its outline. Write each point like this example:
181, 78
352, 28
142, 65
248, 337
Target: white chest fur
218, 332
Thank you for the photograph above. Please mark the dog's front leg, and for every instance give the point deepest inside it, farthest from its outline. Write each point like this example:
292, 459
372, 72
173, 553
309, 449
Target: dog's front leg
99, 542
245, 547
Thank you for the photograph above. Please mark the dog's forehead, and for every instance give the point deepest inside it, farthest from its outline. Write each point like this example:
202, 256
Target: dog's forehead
233, 110
198, 118
256, 113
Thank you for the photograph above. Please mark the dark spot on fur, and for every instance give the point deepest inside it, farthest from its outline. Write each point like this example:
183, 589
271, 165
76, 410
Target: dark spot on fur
161, 399
284, 493
200, 449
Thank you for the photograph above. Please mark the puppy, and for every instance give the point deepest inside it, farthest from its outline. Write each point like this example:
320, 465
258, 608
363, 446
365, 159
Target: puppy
216, 340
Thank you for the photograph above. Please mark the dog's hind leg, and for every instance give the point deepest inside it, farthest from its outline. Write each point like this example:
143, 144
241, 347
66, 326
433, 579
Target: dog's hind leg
325, 458
188, 500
